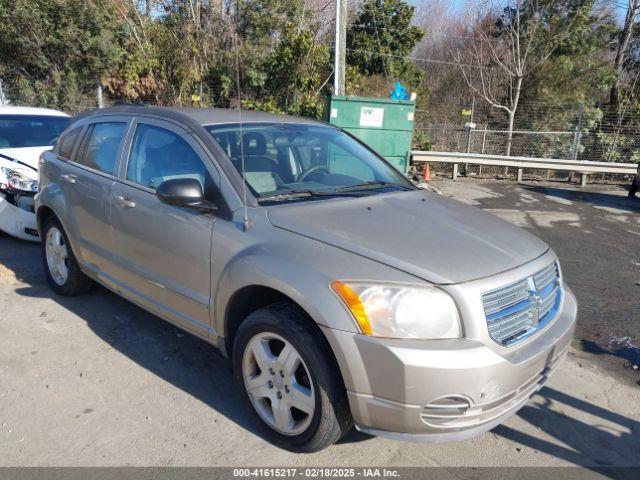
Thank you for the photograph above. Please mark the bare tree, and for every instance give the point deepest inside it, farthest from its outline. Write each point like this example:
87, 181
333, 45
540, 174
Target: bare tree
440, 21
632, 12
497, 51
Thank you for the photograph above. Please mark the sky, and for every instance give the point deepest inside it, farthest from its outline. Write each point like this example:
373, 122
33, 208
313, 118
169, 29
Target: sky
456, 4
460, 4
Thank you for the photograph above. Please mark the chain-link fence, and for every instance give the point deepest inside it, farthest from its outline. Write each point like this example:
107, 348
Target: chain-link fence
494, 142
540, 130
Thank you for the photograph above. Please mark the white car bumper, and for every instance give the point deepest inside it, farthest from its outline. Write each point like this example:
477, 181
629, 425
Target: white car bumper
18, 222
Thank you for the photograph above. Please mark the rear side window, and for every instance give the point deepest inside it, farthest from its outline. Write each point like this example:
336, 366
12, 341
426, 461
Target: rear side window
66, 143
101, 145
158, 155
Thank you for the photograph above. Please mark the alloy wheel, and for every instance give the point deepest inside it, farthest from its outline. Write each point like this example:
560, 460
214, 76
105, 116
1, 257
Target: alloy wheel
278, 383
57, 256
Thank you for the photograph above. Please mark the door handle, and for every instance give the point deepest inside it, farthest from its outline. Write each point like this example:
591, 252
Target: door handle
124, 201
69, 178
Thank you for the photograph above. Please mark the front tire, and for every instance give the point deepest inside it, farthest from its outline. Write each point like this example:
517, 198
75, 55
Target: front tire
289, 379
60, 265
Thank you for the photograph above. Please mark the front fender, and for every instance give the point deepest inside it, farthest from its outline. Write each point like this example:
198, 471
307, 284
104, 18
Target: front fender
305, 285
299, 267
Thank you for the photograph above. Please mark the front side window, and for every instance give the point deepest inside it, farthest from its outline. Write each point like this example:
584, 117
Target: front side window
158, 154
282, 161
18, 131
101, 146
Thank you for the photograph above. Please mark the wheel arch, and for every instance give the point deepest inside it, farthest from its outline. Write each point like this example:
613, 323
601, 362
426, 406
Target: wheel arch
43, 213
250, 298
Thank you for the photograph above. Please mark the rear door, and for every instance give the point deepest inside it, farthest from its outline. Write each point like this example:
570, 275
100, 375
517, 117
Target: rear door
86, 180
164, 252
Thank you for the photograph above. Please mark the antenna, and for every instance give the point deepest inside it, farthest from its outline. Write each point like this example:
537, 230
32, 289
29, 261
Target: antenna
245, 210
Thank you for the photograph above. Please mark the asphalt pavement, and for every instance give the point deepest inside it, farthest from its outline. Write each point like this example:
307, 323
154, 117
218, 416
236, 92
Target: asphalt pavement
96, 381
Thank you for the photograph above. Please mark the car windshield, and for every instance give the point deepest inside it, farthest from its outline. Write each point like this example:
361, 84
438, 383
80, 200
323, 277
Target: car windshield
293, 161
18, 131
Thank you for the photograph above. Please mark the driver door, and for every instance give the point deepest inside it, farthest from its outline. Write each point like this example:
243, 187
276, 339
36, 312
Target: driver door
163, 251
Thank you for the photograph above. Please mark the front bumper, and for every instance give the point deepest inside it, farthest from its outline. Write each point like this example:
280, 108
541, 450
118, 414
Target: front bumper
445, 390
18, 222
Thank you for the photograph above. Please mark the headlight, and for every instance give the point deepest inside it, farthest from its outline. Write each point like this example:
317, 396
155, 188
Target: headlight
397, 311
14, 180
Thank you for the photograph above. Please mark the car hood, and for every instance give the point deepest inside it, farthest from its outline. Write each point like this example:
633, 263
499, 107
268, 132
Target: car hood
427, 235
28, 155
25, 170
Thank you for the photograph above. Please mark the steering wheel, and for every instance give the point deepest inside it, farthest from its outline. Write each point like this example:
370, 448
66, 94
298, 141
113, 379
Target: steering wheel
318, 168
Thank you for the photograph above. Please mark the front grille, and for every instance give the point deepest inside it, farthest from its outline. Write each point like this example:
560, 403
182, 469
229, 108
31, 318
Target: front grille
518, 310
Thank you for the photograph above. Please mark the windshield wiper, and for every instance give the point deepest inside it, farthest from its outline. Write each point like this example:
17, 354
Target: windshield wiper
349, 190
370, 184
7, 157
292, 194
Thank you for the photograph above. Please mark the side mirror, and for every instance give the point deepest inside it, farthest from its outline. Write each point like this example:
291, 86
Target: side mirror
184, 192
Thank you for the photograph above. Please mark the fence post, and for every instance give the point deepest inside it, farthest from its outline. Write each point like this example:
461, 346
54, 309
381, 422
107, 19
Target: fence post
455, 171
583, 180
577, 136
484, 141
473, 107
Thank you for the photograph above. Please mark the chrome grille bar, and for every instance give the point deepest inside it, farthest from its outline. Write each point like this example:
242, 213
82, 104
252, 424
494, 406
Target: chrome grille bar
505, 297
546, 276
517, 310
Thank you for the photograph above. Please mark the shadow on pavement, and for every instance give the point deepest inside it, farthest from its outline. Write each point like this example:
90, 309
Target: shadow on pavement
611, 440
598, 199
197, 368
175, 356
626, 351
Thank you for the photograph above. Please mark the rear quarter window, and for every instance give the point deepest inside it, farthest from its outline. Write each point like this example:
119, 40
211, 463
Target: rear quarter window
66, 143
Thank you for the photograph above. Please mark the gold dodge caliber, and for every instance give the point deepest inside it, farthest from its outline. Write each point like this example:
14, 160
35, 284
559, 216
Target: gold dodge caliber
343, 294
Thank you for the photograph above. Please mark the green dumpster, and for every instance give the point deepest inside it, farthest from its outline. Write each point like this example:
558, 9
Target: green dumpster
383, 124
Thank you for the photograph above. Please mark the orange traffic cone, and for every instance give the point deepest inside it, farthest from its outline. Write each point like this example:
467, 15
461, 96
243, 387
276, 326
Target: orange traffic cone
426, 172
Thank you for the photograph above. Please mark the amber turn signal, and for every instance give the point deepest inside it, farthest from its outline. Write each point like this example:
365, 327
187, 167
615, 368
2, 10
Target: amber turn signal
354, 304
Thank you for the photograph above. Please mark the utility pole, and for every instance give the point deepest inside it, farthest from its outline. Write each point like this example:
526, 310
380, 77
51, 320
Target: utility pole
99, 102
340, 54
3, 99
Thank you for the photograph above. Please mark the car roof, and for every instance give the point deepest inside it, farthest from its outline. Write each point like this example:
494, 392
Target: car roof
46, 112
201, 116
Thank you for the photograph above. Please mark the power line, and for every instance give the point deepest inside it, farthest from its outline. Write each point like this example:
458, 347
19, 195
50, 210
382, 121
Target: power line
417, 59
427, 33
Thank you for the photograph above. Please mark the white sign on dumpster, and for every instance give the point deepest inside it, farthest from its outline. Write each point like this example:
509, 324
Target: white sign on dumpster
371, 117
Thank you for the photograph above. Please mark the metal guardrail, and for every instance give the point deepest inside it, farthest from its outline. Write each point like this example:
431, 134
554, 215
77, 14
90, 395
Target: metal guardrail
583, 167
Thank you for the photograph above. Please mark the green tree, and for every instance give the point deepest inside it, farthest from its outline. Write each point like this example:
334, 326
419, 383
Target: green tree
55, 53
382, 37
297, 71
573, 72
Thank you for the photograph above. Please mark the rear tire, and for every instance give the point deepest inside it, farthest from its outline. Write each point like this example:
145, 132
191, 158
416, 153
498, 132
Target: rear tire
310, 379
60, 265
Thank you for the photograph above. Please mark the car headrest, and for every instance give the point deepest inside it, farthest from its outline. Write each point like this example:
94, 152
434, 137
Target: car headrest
254, 143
